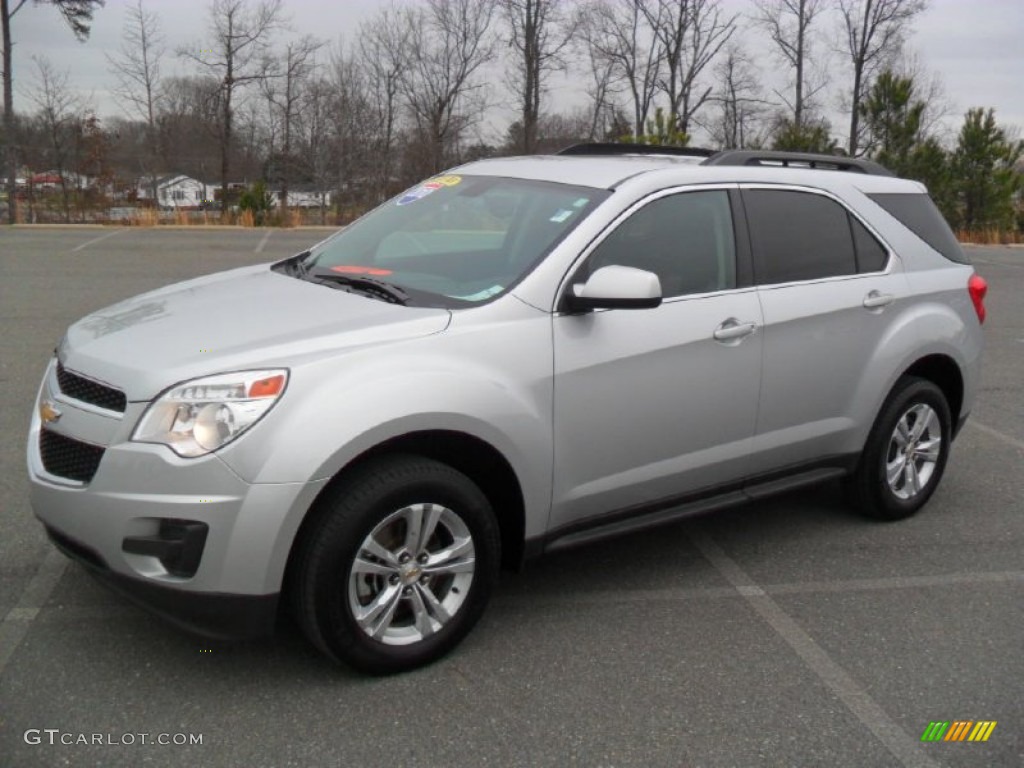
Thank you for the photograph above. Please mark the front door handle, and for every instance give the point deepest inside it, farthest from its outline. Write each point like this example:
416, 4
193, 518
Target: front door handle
733, 329
876, 300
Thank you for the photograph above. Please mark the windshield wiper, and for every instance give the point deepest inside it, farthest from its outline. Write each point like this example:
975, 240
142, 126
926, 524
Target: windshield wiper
366, 285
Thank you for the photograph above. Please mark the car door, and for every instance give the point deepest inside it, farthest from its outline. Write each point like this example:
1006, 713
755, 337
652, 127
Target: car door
829, 291
653, 405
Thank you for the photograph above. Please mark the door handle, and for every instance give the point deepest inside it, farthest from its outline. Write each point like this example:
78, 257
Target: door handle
877, 300
733, 329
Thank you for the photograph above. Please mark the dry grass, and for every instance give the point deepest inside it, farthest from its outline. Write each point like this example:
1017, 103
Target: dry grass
990, 236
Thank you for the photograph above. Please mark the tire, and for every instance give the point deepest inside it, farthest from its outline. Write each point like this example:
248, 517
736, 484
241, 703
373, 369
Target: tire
917, 410
371, 592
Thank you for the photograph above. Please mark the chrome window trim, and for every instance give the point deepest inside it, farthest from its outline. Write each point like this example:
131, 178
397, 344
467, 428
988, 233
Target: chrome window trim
594, 244
890, 262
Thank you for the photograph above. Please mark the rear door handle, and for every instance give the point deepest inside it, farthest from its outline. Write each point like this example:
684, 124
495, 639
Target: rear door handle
733, 329
875, 300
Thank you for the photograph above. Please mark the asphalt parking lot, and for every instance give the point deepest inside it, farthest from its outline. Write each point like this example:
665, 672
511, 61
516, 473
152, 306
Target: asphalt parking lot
785, 633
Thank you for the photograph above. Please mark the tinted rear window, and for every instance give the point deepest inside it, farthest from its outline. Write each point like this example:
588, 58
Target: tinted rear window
798, 236
918, 213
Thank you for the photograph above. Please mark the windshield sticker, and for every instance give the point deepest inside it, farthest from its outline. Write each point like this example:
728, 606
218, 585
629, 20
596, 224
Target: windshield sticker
581, 202
486, 293
561, 216
419, 193
447, 181
441, 182
354, 269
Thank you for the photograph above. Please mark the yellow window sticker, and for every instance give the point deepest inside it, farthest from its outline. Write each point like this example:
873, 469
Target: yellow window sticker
447, 181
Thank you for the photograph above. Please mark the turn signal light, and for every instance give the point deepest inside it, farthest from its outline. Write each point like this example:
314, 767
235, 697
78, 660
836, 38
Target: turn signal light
267, 387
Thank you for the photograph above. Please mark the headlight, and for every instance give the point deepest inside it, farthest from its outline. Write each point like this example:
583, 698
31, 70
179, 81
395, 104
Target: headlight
199, 416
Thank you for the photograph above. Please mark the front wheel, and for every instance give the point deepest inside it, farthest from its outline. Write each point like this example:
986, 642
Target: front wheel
399, 567
906, 452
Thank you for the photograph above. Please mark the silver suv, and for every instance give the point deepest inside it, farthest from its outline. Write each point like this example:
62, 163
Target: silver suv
519, 356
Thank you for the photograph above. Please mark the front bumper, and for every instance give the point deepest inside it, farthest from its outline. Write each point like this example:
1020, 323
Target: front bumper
210, 614
138, 492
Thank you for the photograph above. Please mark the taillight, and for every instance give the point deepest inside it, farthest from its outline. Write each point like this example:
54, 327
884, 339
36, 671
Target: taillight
977, 287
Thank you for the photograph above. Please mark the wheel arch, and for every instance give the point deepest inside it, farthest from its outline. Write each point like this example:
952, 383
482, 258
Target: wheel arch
480, 461
943, 371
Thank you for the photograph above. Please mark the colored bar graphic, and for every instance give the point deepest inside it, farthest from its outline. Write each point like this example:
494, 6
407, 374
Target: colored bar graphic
982, 730
958, 730
934, 731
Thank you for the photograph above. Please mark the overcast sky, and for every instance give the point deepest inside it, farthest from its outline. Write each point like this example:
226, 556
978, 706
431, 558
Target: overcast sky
974, 47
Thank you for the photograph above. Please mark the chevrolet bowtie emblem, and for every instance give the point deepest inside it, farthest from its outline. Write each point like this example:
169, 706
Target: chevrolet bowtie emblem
48, 412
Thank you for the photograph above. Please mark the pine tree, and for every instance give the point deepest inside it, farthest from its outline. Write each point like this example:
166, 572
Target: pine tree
983, 168
893, 118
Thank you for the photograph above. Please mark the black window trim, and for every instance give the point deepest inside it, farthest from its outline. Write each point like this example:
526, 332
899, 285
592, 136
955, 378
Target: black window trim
890, 260
744, 264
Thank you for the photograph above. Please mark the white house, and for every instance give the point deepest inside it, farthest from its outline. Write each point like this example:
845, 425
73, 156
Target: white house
175, 192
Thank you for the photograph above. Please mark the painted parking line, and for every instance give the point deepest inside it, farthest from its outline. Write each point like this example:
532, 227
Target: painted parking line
681, 594
900, 744
18, 620
996, 434
997, 263
95, 240
263, 241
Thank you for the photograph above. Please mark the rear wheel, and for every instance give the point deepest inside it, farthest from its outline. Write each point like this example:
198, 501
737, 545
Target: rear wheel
906, 452
399, 567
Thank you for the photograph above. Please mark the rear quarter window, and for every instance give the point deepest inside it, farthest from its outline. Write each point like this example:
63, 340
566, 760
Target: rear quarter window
871, 254
918, 213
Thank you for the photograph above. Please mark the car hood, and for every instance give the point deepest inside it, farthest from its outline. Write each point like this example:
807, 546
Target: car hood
242, 319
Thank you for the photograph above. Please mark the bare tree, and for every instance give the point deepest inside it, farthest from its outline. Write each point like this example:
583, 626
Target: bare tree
540, 32
314, 128
137, 70
449, 42
239, 38
617, 33
691, 33
788, 23
285, 90
189, 125
873, 32
740, 122
58, 112
353, 139
383, 46
603, 83
78, 16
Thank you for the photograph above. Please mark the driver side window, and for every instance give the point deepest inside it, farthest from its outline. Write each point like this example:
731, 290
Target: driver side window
685, 239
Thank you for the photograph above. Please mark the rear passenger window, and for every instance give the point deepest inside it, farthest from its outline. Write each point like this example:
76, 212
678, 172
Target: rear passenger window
871, 254
798, 236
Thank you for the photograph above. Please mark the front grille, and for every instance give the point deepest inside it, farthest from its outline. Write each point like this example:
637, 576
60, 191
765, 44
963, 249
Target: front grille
66, 457
88, 391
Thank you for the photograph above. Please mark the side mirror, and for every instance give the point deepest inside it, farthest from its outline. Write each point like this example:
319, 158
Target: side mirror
615, 287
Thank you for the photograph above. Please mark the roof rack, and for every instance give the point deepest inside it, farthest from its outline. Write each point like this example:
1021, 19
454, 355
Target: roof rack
609, 149
797, 160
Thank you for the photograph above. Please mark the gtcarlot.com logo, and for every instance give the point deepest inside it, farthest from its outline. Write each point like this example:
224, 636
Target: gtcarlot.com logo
55, 736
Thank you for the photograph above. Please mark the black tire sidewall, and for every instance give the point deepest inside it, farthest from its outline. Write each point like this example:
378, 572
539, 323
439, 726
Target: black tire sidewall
878, 499
358, 511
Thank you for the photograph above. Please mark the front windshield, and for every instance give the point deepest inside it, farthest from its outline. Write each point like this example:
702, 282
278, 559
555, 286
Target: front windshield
457, 240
